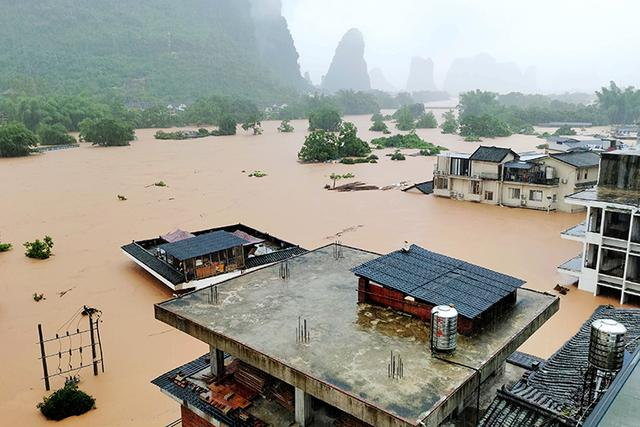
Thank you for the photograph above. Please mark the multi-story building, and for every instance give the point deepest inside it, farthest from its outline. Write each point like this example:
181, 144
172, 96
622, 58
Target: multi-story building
499, 176
610, 258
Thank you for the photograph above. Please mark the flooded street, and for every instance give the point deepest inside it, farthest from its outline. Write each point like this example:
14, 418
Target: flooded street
71, 195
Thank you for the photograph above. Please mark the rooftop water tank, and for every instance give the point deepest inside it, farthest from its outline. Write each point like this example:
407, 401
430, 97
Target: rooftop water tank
444, 329
606, 345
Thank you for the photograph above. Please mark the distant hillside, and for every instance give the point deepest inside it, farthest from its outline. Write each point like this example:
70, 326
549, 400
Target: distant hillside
484, 72
144, 49
348, 69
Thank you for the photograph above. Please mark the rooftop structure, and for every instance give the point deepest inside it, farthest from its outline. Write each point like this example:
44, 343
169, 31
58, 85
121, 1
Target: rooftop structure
552, 394
183, 260
610, 257
430, 279
565, 144
495, 175
300, 323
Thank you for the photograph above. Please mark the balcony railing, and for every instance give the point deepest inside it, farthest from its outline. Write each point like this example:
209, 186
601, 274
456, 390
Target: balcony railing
531, 179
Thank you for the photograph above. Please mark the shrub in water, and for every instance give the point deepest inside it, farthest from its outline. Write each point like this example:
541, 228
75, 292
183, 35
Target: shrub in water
40, 249
66, 402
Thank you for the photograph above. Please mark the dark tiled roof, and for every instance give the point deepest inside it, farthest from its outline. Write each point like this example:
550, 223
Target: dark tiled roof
579, 159
491, 154
203, 244
165, 383
438, 279
272, 257
424, 187
519, 165
524, 360
552, 392
160, 267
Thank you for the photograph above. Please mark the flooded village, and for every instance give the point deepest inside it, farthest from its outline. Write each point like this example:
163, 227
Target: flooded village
208, 185
302, 213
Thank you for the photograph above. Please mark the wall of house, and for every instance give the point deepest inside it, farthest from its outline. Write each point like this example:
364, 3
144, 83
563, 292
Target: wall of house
379, 295
190, 419
547, 191
479, 168
568, 176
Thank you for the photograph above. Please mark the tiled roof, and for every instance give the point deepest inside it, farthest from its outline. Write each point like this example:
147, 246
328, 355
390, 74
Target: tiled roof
579, 159
424, 187
203, 244
491, 154
550, 395
524, 360
165, 383
438, 279
272, 257
160, 267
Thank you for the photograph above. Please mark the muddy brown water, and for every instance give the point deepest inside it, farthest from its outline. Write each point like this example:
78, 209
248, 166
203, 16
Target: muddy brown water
72, 196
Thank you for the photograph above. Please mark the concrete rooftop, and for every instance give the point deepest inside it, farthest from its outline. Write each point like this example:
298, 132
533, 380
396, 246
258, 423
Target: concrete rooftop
345, 361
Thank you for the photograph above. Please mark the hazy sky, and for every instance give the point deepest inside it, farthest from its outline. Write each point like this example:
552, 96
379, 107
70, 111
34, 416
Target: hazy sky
573, 44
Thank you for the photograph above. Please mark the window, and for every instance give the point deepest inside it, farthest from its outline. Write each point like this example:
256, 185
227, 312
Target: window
535, 195
442, 183
488, 195
475, 187
586, 172
514, 193
555, 198
591, 256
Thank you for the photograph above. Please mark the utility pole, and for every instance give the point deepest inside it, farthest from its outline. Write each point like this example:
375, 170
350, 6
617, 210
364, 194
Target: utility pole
44, 359
89, 312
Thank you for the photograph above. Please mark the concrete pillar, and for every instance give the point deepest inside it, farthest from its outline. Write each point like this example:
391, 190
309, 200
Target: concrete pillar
217, 361
304, 414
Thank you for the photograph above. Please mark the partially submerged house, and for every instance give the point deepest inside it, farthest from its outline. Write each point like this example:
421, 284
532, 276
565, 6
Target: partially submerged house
299, 342
183, 260
565, 144
560, 392
610, 236
499, 176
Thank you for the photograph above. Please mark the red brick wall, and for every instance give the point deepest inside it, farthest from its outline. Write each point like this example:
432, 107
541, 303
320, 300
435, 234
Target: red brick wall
386, 297
189, 419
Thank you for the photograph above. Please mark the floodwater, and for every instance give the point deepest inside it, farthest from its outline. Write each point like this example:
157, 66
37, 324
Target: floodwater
72, 196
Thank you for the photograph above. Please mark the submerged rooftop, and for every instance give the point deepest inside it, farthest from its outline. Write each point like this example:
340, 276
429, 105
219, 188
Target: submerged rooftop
345, 361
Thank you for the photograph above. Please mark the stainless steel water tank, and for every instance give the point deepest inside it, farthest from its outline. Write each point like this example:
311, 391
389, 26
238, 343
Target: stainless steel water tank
444, 328
606, 345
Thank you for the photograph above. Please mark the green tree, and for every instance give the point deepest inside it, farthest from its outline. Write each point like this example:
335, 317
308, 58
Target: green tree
106, 132
379, 126
377, 117
227, 126
622, 106
285, 127
66, 402
478, 103
319, 146
253, 122
39, 249
349, 145
427, 121
325, 118
54, 135
483, 126
404, 119
564, 130
450, 123
335, 177
16, 140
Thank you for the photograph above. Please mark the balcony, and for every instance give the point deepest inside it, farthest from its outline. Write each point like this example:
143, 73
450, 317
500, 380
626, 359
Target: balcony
576, 233
538, 179
573, 267
489, 175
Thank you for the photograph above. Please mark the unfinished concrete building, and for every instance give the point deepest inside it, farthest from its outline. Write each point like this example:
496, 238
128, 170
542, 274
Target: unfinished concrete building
295, 342
610, 258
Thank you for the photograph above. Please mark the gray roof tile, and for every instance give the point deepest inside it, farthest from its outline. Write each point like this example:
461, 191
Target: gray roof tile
203, 244
438, 279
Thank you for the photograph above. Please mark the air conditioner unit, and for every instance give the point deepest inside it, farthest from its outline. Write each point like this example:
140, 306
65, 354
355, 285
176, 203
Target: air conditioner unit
523, 202
452, 194
460, 195
564, 180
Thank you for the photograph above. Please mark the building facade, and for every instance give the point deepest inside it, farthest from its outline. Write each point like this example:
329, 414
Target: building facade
499, 176
610, 235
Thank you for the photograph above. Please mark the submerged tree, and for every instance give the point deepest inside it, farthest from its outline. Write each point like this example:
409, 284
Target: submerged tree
66, 402
285, 127
226, 126
16, 140
427, 121
106, 132
325, 118
253, 122
39, 249
54, 135
450, 123
379, 126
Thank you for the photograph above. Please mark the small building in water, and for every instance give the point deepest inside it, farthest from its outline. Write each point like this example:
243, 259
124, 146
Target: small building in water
183, 260
499, 176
